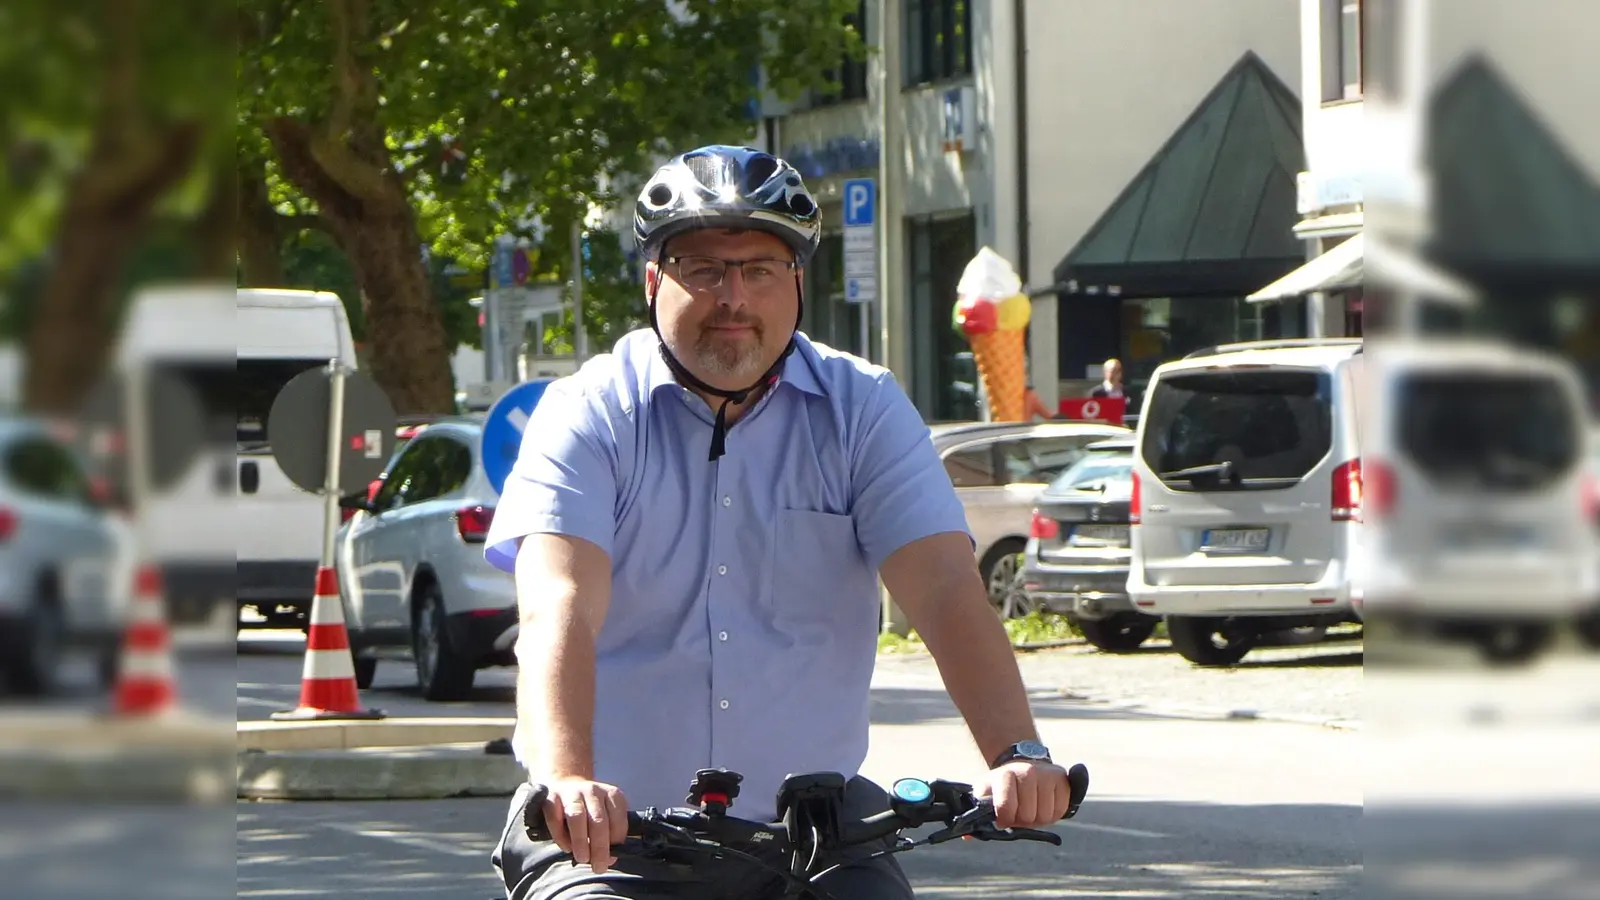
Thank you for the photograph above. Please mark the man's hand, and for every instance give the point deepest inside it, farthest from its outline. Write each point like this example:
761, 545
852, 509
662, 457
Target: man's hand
1027, 794
586, 818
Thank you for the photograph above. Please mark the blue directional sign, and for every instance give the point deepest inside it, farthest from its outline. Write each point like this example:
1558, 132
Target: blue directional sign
503, 427
860, 196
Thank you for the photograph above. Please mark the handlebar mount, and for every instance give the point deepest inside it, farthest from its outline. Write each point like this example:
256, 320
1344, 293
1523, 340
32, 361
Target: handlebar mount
810, 824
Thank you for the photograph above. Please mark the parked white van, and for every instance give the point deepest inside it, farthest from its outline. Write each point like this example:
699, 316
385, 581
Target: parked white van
234, 525
281, 333
1247, 494
186, 529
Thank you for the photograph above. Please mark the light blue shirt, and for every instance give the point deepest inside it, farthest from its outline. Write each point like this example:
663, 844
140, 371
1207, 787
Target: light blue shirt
742, 629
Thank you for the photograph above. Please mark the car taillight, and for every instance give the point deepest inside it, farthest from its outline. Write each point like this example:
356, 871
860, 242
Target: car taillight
1346, 503
472, 523
1379, 489
1043, 527
8, 524
1135, 502
1360, 492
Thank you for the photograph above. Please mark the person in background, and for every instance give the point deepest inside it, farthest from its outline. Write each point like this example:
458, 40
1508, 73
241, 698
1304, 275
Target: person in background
1111, 386
1033, 407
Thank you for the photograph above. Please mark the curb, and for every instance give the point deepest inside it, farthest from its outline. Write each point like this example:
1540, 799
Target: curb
389, 773
178, 759
352, 734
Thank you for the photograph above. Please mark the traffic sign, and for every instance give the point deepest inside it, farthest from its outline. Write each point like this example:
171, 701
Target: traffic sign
175, 425
297, 427
860, 241
503, 427
860, 202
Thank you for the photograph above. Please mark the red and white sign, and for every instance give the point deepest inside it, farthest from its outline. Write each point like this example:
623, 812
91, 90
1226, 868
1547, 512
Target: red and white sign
1098, 409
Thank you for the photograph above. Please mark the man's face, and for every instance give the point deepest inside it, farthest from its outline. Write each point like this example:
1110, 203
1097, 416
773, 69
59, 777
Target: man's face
1114, 373
726, 334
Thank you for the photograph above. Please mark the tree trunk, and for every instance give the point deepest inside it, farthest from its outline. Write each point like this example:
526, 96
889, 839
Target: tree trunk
212, 232
260, 240
366, 207
108, 204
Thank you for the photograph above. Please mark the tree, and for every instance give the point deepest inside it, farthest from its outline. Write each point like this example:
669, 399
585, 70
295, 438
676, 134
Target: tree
406, 129
109, 119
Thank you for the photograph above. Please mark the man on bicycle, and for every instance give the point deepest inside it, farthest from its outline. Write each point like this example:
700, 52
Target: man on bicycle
697, 522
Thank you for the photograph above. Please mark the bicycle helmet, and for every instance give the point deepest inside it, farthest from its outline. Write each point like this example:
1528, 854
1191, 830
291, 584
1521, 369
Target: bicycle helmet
726, 187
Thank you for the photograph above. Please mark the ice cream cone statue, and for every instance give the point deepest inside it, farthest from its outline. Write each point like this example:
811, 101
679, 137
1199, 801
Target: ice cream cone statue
992, 314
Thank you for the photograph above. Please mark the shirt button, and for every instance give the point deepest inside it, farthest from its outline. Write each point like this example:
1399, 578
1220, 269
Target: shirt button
723, 704
722, 635
727, 501
722, 570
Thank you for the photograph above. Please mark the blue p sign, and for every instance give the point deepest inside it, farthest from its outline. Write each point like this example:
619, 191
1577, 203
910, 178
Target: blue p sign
858, 201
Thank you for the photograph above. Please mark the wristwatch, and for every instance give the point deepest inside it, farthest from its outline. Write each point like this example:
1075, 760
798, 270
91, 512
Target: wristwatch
1029, 750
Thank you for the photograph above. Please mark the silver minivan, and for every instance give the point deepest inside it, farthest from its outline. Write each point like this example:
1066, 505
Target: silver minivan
1480, 518
1246, 494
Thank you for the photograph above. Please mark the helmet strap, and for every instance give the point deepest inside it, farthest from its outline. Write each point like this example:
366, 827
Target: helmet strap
719, 429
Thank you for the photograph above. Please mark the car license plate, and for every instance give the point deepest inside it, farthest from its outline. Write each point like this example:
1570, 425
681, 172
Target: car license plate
1235, 540
1486, 535
1100, 535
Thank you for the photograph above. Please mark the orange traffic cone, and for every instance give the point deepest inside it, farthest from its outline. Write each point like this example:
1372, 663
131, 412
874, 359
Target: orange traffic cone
328, 683
145, 684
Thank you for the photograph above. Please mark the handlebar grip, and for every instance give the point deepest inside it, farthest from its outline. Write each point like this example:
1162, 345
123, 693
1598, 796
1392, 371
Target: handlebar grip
533, 816
1077, 787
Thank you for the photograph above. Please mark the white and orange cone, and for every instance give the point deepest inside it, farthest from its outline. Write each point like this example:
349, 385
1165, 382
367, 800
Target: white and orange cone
328, 682
145, 683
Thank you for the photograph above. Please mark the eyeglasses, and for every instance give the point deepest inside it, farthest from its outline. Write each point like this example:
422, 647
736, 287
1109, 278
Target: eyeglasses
708, 272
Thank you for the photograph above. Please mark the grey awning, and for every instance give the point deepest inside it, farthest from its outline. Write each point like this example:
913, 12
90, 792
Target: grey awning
1396, 270
1338, 269
1212, 213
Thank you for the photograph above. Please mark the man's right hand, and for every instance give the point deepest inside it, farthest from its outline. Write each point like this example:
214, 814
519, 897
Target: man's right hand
585, 819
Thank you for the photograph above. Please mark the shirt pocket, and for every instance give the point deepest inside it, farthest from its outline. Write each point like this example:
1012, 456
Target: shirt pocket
819, 584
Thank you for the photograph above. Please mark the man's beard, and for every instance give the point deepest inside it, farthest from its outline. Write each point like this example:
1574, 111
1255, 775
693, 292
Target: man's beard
734, 359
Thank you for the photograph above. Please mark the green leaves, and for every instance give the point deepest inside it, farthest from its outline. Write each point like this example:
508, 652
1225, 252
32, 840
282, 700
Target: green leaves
549, 100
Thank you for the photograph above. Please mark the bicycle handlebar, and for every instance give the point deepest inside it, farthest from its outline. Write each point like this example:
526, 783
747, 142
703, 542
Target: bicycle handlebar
913, 803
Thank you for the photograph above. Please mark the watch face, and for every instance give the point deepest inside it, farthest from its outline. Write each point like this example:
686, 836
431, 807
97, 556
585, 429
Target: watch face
1032, 750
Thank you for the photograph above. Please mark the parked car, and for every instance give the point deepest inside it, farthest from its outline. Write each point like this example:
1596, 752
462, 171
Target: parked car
65, 561
1246, 494
998, 468
411, 569
1076, 561
1480, 513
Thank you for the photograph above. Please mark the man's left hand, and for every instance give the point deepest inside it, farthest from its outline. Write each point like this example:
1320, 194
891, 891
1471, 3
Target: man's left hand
1027, 794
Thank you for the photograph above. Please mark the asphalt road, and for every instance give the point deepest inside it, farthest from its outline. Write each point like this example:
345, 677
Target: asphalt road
270, 664
1179, 808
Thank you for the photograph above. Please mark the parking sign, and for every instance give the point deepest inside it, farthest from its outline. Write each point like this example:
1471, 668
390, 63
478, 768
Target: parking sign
860, 199
860, 240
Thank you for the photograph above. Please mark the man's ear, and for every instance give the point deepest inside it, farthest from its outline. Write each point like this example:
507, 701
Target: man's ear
652, 277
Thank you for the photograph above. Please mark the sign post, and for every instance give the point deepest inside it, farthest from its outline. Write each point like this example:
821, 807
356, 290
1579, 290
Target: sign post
330, 482
861, 253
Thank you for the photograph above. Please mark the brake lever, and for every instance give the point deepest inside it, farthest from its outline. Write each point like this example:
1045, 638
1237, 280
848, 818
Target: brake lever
1017, 834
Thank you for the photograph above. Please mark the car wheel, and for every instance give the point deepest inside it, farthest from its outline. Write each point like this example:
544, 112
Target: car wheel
1208, 641
1002, 572
1121, 633
366, 670
32, 669
441, 673
1511, 644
